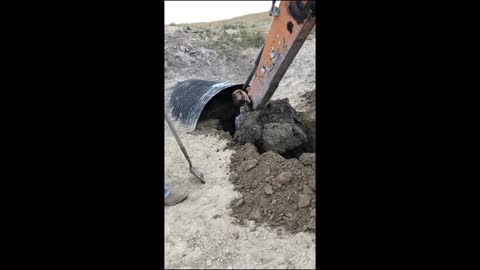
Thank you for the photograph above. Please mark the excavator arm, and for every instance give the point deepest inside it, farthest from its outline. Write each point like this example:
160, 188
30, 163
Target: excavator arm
192, 99
291, 25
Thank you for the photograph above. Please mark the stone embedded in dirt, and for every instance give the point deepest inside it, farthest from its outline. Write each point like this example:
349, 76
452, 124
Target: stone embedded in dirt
268, 189
311, 184
256, 214
307, 190
308, 159
284, 177
209, 262
249, 164
311, 223
303, 200
239, 202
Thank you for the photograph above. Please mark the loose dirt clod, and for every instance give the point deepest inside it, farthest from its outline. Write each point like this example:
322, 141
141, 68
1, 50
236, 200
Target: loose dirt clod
284, 178
268, 189
249, 164
303, 200
275, 127
308, 159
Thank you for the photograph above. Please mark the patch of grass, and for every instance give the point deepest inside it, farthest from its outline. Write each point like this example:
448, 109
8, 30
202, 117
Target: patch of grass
228, 43
249, 39
229, 26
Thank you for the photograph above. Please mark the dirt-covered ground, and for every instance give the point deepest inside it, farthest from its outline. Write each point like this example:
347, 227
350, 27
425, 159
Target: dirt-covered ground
213, 228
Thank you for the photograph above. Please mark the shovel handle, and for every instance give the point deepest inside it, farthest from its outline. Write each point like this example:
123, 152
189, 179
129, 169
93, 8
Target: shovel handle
172, 128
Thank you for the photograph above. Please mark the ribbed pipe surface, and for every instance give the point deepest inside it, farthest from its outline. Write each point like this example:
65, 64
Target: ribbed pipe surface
190, 97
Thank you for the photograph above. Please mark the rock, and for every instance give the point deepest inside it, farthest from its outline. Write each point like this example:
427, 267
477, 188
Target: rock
236, 235
256, 215
209, 262
307, 190
311, 223
268, 189
308, 159
249, 164
274, 202
289, 214
303, 200
269, 179
239, 203
284, 177
311, 184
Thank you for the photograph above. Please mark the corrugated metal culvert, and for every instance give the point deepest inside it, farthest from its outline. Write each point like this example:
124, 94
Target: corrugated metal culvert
190, 97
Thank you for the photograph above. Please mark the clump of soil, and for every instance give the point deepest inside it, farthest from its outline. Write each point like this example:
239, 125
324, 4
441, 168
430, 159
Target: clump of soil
275, 190
276, 127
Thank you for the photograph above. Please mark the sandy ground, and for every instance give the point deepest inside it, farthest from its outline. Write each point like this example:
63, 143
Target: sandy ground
199, 232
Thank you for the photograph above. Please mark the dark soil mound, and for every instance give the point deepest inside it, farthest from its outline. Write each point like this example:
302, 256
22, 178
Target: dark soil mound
276, 127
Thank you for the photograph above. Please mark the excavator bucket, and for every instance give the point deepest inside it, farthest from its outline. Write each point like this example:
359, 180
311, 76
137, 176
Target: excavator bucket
193, 99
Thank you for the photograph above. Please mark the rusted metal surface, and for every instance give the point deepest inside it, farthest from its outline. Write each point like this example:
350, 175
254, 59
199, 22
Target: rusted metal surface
190, 97
288, 33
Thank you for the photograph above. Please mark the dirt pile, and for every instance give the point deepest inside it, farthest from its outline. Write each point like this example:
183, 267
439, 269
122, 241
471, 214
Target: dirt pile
183, 48
275, 190
276, 127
